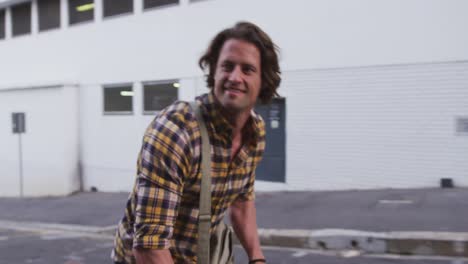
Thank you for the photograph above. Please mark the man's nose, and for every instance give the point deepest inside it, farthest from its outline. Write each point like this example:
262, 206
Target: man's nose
236, 75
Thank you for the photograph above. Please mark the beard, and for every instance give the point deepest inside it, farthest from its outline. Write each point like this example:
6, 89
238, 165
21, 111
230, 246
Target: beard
234, 102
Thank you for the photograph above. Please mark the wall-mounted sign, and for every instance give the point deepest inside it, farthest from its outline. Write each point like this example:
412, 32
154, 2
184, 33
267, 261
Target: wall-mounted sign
18, 122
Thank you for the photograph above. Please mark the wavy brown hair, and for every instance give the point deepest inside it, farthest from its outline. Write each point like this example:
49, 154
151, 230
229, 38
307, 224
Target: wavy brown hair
249, 32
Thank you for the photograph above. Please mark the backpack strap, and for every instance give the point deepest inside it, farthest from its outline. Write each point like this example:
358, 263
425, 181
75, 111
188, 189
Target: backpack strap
204, 217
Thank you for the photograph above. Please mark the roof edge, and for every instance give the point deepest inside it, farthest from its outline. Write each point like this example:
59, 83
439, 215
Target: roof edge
9, 88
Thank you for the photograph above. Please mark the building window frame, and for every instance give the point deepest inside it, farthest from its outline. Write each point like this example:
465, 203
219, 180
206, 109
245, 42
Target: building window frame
117, 86
144, 84
84, 6
39, 17
126, 13
150, 8
12, 14
3, 23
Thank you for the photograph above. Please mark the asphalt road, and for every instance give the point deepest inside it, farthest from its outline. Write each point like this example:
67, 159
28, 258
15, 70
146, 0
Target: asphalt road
444, 210
62, 248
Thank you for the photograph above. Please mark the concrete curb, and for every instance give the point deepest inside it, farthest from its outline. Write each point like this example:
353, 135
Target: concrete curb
450, 244
401, 243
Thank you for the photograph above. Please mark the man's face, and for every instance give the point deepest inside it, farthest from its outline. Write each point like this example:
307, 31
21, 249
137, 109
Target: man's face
237, 79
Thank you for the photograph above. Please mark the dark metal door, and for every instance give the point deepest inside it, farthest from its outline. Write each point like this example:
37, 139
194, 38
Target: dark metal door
273, 166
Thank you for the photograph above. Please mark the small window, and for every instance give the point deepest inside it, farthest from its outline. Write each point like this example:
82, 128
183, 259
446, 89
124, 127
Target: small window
80, 11
117, 7
49, 14
158, 95
2, 24
118, 99
157, 3
21, 19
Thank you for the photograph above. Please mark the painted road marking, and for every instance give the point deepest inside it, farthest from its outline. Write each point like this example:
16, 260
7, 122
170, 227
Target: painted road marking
299, 254
396, 201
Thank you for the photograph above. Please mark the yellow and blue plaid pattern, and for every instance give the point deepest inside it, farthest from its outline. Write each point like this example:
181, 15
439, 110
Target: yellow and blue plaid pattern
162, 210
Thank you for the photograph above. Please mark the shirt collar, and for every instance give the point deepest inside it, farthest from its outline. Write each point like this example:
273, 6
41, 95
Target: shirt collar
212, 110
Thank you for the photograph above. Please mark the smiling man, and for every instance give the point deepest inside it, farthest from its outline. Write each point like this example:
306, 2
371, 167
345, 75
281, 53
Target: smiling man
160, 224
237, 76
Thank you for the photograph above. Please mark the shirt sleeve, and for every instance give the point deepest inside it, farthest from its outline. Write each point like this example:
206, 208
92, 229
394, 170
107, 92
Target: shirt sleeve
162, 165
249, 193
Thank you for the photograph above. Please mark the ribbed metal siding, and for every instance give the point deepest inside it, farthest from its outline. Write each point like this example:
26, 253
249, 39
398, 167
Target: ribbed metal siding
376, 127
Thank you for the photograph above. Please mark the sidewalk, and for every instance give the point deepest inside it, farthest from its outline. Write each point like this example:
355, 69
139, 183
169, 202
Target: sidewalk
415, 221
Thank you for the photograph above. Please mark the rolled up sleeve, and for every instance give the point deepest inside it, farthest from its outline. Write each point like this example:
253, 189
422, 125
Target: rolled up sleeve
248, 190
248, 193
162, 166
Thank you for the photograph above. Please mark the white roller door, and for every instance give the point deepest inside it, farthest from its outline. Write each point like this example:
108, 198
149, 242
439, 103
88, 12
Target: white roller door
376, 127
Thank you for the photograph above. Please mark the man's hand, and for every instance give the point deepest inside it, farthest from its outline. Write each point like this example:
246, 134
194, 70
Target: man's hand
153, 256
244, 222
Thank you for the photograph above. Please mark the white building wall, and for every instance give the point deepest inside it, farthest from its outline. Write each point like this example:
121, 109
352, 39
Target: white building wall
50, 146
331, 50
111, 143
9, 151
347, 128
165, 43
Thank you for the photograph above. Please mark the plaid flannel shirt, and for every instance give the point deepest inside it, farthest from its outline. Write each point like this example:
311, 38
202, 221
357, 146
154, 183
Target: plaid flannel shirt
162, 210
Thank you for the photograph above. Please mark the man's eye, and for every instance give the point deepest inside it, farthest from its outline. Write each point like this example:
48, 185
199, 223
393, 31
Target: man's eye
248, 69
227, 66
